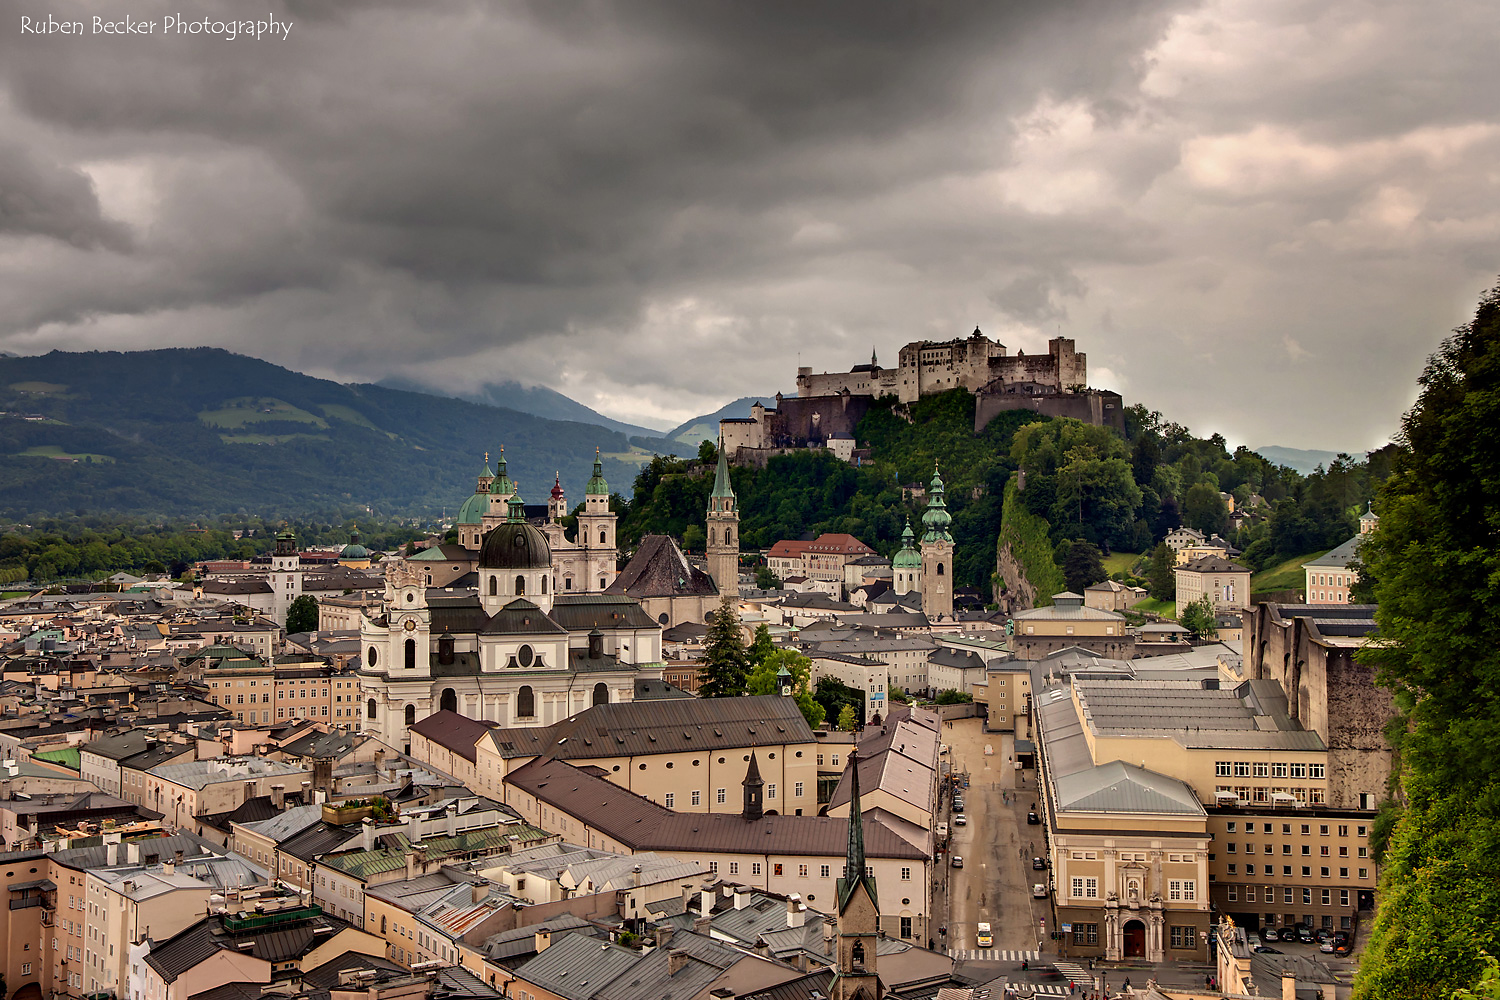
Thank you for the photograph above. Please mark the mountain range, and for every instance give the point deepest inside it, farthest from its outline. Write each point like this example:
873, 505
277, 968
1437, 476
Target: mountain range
202, 431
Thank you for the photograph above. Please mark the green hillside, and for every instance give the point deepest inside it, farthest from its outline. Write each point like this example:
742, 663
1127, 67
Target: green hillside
1285, 575
176, 433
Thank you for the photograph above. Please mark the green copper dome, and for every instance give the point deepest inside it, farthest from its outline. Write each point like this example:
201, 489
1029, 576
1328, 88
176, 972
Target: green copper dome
354, 550
936, 518
472, 512
908, 557
597, 487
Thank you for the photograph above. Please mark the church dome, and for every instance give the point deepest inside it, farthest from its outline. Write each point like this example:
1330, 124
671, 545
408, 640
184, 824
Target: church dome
908, 557
515, 544
472, 512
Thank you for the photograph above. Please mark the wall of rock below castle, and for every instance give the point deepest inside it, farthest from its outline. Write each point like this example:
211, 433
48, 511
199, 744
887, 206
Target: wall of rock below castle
1095, 406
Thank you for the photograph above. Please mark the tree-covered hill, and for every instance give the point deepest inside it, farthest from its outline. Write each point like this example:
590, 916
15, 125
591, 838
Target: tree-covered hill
206, 432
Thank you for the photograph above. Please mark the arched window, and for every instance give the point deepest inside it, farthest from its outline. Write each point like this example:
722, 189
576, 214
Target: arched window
370, 709
449, 701
494, 586
520, 586
601, 536
940, 569
710, 536
373, 656
728, 536
411, 654
544, 584
525, 702
601, 693
382, 925
411, 715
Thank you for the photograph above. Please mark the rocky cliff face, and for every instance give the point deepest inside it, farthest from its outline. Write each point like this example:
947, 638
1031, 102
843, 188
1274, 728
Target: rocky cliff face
1020, 593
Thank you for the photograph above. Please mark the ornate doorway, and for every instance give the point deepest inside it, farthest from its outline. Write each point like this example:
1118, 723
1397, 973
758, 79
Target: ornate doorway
1135, 939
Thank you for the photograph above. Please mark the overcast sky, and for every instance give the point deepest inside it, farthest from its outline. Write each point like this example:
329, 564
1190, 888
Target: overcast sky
1257, 216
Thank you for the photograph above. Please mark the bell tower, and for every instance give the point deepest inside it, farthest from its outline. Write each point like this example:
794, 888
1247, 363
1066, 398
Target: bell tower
937, 553
858, 915
724, 531
596, 532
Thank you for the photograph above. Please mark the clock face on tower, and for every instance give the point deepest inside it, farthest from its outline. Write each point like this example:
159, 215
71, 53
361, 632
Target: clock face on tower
411, 625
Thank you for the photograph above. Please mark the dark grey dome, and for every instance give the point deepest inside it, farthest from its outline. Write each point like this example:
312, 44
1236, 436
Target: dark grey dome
514, 545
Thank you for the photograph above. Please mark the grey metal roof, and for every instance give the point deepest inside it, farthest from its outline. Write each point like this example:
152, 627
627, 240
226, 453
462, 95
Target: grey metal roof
288, 823
1339, 557
1118, 787
1241, 718
577, 966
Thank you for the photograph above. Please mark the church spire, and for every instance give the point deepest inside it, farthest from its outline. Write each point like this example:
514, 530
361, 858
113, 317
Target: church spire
854, 858
754, 785
722, 487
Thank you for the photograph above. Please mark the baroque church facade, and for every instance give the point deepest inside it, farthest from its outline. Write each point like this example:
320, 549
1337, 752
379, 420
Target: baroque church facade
515, 650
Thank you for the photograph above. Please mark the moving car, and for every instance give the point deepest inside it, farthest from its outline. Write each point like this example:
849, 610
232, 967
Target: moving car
1038, 864
1033, 818
984, 938
1039, 891
958, 861
958, 803
959, 819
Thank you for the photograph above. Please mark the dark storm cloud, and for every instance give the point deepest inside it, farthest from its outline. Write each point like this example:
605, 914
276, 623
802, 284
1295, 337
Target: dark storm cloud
658, 206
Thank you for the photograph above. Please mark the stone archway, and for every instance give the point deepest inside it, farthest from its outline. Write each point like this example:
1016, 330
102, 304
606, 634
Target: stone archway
1135, 939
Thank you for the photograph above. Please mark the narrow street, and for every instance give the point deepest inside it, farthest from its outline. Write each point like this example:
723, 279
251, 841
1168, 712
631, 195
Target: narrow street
997, 846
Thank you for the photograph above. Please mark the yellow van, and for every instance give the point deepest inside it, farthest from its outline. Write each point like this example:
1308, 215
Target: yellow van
985, 939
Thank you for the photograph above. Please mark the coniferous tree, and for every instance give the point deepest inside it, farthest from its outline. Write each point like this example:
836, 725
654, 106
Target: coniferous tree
1161, 575
726, 664
1083, 566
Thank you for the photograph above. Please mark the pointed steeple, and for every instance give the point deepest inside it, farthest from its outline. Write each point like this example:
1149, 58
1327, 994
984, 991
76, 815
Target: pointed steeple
936, 518
486, 474
754, 787
722, 488
597, 486
557, 489
854, 858
873, 362
501, 486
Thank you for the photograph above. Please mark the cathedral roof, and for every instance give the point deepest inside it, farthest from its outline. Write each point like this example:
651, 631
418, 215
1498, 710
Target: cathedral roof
472, 511
659, 569
596, 485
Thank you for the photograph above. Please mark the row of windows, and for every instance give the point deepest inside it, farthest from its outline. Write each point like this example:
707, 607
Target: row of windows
1286, 871
1263, 795
1288, 895
779, 870
1360, 829
1286, 849
1266, 769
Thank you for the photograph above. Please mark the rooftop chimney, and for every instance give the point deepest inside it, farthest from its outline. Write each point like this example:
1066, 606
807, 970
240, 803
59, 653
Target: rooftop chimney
663, 935
676, 959
706, 901
278, 796
177, 856
741, 897
112, 852
367, 834
796, 913
452, 812
543, 938
1288, 985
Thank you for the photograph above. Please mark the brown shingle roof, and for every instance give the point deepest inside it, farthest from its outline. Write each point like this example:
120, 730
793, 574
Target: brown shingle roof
659, 569
454, 732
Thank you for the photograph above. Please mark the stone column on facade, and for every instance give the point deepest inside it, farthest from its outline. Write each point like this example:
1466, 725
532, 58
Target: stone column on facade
1155, 948
1114, 942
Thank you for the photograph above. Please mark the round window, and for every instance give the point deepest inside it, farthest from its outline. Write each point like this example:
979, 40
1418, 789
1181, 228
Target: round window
525, 656
411, 598
373, 656
721, 760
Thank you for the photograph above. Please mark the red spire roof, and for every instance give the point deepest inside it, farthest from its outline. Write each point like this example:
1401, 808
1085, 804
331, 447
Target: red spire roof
557, 490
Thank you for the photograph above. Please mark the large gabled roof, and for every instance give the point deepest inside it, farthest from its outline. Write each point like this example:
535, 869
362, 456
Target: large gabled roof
659, 569
454, 732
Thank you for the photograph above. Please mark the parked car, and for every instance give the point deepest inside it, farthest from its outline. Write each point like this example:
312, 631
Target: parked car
1323, 934
1343, 948
1262, 949
1268, 934
1038, 864
959, 819
958, 803
1305, 935
958, 861
1341, 937
942, 831
1039, 891
1327, 947
1033, 818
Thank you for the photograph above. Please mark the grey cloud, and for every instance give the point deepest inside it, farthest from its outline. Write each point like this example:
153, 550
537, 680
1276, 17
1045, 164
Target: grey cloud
46, 199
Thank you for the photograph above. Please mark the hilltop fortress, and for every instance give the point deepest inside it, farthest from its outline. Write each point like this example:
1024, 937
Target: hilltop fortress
829, 405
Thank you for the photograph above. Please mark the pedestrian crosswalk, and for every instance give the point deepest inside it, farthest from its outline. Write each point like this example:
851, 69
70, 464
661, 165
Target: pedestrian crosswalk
993, 955
1038, 990
1075, 973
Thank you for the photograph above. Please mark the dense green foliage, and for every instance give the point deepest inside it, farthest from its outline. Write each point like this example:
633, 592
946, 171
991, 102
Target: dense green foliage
762, 680
1163, 579
184, 433
1026, 534
302, 615
814, 492
1198, 618
1434, 566
952, 696
1083, 566
848, 719
726, 663
836, 697
96, 546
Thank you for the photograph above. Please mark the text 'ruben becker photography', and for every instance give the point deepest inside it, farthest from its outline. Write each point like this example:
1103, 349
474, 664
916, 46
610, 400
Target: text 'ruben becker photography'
170, 25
